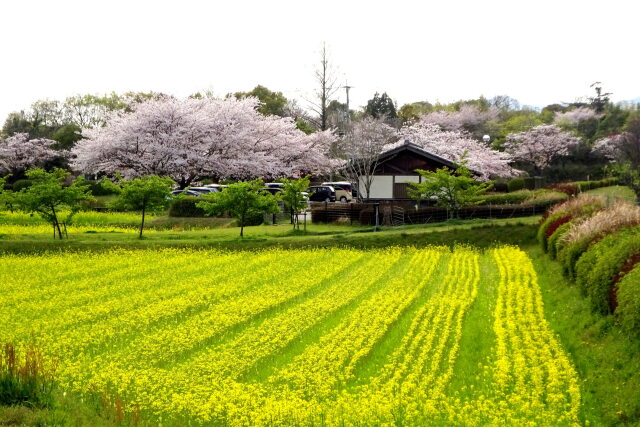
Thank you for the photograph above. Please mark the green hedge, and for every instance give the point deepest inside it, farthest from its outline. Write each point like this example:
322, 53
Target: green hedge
515, 184
569, 255
576, 187
553, 241
98, 190
597, 268
549, 225
528, 197
185, 206
628, 310
20, 184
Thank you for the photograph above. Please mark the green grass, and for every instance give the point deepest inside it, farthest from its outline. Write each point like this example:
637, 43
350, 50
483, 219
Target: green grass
614, 192
478, 338
607, 361
481, 233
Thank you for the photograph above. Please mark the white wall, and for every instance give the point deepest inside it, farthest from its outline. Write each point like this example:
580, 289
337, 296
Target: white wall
381, 187
407, 178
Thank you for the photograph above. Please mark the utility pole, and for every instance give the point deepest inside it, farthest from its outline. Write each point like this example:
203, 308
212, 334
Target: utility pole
347, 87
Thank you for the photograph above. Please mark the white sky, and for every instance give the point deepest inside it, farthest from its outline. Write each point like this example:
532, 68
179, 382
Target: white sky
539, 52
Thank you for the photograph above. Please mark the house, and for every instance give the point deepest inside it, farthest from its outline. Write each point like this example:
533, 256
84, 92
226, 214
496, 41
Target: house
396, 168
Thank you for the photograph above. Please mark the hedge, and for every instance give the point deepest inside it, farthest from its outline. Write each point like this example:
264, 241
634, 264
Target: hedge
20, 184
554, 238
185, 206
573, 188
628, 311
549, 225
598, 268
515, 184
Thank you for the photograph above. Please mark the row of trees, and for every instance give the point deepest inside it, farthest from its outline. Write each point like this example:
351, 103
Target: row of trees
51, 196
195, 138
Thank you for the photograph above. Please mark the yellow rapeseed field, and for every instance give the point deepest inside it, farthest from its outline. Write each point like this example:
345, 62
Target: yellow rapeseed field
282, 337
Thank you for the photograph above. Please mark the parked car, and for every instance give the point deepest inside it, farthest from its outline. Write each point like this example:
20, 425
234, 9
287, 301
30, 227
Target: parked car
322, 193
205, 190
219, 187
185, 193
343, 190
274, 184
273, 190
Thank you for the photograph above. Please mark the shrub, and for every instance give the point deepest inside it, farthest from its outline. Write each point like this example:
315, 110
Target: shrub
545, 198
562, 213
253, 218
501, 186
555, 238
515, 184
97, 189
513, 198
598, 269
628, 310
20, 184
568, 188
549, 226
573, 188
185, 206
578, 238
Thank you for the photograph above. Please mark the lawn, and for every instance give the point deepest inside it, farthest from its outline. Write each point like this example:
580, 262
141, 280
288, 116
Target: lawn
614, 192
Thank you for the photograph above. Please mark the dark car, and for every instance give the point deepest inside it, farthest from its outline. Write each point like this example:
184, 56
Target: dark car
322, 193
273, 190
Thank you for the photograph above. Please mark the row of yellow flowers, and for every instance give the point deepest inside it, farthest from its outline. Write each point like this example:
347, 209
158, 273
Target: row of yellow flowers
281, 337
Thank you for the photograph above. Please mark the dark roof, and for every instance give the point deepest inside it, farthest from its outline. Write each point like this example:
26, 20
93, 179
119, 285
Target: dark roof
416, 149
410, 146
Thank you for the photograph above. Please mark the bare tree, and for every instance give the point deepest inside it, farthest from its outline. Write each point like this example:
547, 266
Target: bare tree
362, 146
325, 76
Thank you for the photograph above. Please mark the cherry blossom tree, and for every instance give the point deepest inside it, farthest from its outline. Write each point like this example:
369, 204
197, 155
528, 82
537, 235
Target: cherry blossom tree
362, 146
19, 153
468, 117
194, 138
575, 116
456, 146
623, 147
540, 145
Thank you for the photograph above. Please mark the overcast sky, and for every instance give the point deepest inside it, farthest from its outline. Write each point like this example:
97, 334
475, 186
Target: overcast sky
539, 52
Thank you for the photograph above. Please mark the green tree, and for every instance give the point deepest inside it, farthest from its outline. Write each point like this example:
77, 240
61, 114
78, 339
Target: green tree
451, 189
66, 135
412, 112
241, 200
381, 106
273, 103
7, 198
293, 198
48, 196
145, 194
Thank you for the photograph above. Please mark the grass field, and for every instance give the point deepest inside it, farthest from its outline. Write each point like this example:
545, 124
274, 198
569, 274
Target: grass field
298, 336
614, 192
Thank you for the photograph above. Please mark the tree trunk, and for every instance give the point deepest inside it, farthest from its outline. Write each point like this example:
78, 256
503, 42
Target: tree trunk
242, 225
142, 223
56, 224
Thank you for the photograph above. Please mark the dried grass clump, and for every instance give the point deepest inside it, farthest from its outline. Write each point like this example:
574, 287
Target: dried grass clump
620, 215
578, 206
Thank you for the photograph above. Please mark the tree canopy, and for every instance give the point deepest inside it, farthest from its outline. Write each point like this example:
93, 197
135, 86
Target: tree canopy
241, 200
48, 196
193, 138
